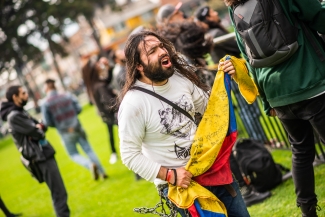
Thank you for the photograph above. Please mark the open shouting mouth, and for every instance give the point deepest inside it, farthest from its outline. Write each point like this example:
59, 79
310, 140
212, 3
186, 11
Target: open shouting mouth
165, 61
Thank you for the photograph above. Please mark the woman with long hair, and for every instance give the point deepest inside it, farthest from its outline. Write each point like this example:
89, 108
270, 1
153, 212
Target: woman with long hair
97, 76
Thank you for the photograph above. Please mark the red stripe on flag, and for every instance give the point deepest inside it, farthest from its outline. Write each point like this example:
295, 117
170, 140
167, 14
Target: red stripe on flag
193, 211
219, 173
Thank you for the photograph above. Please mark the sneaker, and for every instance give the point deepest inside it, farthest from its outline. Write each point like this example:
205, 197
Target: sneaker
252, 197
113, 158
104, 176
94, 171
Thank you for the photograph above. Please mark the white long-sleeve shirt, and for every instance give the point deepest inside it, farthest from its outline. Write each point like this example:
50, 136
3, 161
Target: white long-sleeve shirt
152, 133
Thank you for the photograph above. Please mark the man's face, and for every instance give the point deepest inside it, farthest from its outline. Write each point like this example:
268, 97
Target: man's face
22, 97
213, 16
155, 61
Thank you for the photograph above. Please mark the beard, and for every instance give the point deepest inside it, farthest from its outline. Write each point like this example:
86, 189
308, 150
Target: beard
156, 73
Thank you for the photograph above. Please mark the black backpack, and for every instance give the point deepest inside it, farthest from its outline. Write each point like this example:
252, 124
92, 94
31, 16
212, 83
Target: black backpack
268, 36
257, 164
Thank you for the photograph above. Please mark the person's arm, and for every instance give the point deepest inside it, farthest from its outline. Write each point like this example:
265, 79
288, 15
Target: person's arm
182, 178
21, 124
131, 133
46, 116
311, 12
266, 105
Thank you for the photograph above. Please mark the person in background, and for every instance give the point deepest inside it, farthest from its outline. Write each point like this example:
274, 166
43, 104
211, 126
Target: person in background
170, 14
118, 78
61, 111
211, 18
6, 211
294, 91
23, 128
96, 78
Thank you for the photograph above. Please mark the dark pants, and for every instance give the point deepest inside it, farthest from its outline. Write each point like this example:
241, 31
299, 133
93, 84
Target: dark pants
4, 208
299, 119
111, 137
52, 178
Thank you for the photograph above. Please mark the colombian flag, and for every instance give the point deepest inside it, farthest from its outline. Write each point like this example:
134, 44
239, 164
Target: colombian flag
211, 149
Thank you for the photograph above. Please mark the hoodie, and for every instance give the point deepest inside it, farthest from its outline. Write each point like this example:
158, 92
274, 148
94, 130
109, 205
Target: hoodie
6, 108
23, 127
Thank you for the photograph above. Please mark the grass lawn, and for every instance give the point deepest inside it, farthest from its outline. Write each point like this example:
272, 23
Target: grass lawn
120, 193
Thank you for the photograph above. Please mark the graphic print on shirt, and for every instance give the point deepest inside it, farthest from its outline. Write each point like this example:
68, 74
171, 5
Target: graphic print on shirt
174, 122
182, 152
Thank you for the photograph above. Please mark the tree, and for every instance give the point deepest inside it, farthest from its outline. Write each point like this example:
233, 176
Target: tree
45, 18
15, 48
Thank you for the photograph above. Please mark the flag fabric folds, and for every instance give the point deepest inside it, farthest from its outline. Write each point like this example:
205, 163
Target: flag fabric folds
211, 149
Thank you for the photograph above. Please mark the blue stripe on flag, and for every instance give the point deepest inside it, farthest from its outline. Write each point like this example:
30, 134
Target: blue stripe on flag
232, 120
206, 213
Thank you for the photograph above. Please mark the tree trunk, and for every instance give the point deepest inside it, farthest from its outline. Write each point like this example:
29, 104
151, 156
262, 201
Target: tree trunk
96, 37
56, 66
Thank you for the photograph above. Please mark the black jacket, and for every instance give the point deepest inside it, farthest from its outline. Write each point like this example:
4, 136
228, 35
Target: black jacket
227, 47
23, 128
105, 100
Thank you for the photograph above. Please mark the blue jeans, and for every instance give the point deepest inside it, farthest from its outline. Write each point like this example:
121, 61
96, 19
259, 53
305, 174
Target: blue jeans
300, 119
235, 205
70, 141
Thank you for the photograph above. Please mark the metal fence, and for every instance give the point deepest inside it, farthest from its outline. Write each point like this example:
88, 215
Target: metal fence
254, 123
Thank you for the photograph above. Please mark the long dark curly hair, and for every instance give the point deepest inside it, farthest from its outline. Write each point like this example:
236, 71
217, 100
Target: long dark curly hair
132, 54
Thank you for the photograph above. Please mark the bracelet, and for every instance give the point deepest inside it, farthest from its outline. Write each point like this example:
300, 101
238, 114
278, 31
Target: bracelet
169, 175
175, 175
166, 174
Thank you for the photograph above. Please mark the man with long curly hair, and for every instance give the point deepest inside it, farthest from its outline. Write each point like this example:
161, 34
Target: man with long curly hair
155, 137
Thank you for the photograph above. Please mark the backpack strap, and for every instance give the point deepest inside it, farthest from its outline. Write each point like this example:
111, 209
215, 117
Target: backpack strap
165, 100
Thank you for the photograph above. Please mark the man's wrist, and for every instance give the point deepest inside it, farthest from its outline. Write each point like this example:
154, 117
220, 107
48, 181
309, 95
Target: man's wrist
162, 173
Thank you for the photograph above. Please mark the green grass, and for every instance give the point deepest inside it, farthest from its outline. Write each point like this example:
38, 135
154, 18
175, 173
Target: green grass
118, 195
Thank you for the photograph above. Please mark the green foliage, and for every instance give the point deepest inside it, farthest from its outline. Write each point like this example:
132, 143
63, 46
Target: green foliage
44, 19
120, 193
